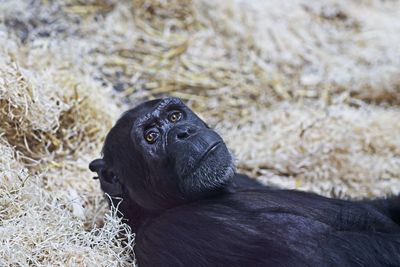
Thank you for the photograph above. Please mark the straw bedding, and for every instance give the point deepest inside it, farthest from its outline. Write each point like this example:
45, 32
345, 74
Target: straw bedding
305, 93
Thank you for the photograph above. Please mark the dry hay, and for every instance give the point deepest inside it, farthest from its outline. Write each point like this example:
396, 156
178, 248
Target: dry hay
306, 94
338, 151
38, 228
52, 122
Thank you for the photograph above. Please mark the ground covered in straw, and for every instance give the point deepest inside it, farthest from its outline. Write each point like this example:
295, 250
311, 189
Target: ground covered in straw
306, 94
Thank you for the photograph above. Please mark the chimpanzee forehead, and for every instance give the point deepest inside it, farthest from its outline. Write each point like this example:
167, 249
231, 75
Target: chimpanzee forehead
168, 101
150, 109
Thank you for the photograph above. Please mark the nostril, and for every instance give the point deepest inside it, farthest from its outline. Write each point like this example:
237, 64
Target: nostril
185, 132
183, 135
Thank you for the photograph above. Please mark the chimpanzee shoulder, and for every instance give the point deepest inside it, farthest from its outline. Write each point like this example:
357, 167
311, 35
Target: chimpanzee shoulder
262, 228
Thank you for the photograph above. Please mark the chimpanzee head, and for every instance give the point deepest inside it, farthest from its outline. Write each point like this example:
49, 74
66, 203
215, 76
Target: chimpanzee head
160, 154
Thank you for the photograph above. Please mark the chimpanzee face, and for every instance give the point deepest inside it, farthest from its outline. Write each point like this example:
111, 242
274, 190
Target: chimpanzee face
163, 154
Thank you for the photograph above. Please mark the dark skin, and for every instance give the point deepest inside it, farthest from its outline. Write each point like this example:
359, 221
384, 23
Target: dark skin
188, 207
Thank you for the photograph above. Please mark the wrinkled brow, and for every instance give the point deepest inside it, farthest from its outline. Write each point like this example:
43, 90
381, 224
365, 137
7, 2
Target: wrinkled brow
151, 117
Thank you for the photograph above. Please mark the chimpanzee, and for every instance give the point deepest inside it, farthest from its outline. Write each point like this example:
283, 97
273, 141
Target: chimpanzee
188, 207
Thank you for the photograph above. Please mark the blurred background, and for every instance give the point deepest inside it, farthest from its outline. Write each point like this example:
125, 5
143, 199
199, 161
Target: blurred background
305, 93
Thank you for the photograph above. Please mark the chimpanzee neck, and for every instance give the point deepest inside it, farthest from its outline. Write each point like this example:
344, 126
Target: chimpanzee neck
135, 215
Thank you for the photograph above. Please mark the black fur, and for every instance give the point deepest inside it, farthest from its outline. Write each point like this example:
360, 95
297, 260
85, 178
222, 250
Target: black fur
188, 207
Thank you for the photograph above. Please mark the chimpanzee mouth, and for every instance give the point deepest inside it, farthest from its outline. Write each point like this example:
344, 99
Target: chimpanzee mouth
210, 165
211, 172
209, 150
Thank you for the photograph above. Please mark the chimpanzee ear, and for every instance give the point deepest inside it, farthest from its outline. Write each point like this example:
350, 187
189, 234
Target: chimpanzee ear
104, 173
97, 165
109, 182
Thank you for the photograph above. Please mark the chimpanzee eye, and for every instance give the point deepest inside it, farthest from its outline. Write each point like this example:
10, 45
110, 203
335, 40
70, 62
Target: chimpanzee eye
151, 136
175, 116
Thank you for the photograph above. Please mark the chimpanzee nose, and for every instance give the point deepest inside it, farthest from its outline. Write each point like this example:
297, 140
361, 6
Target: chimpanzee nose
184, 131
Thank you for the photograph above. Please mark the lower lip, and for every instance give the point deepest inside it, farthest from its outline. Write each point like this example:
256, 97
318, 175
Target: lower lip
213, 147
210, 150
